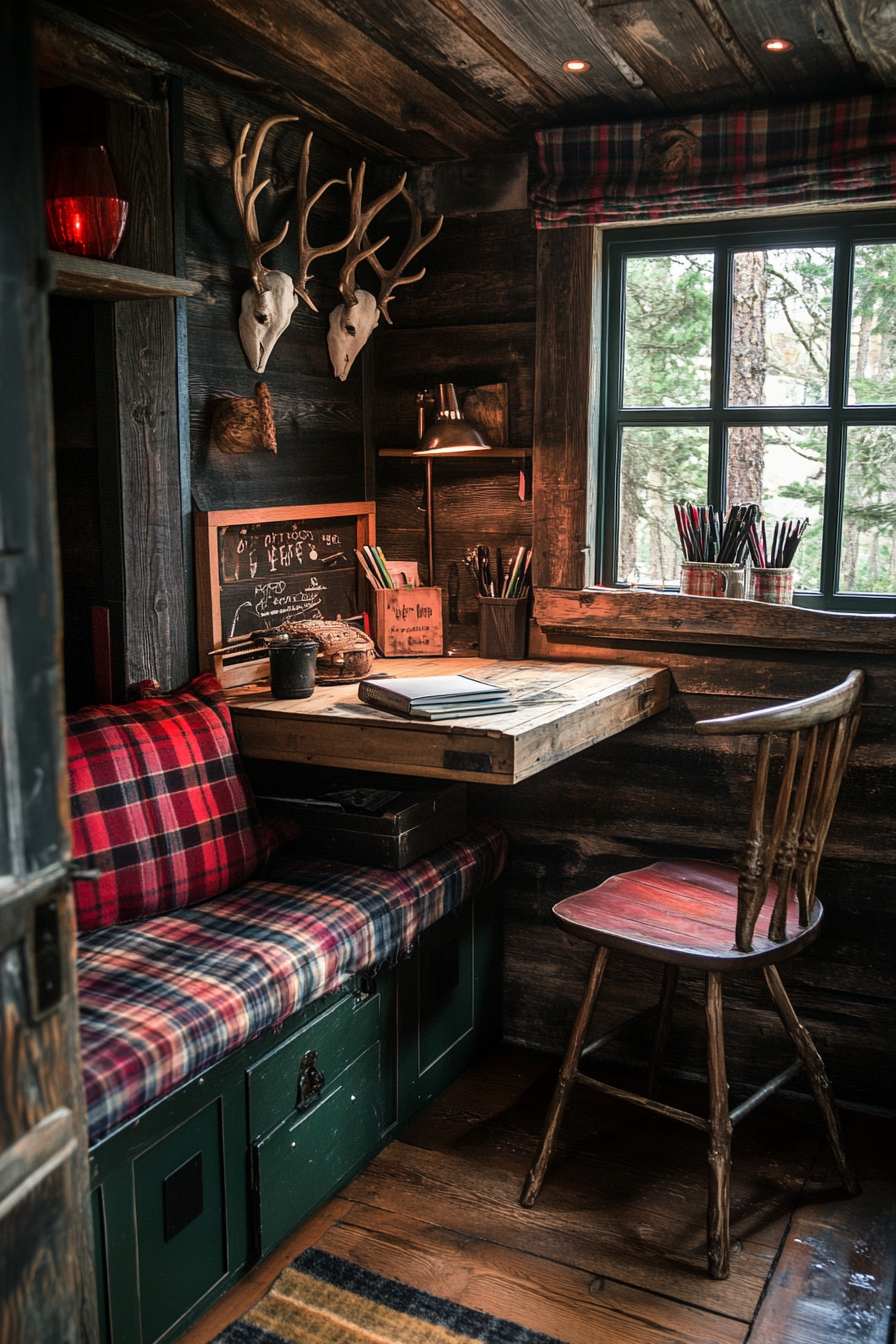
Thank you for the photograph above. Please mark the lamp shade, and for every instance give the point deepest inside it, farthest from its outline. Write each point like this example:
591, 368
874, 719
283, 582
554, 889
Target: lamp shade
450, 432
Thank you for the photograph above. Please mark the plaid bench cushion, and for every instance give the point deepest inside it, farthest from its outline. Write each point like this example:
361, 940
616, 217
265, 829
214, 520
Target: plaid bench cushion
160, 805
163, 1000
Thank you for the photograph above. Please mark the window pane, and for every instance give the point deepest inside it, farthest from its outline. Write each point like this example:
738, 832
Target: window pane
781, 327
872, 333
868, 545
668, 328
782, 468
659, 465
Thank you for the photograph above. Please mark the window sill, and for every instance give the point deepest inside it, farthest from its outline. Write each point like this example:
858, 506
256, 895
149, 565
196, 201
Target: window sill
663, 617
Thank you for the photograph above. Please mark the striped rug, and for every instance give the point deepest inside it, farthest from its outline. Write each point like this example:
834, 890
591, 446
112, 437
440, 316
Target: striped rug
321, 1299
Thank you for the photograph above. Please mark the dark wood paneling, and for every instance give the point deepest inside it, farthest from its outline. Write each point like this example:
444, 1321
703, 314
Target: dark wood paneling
870, 31
148, 432
545, 37
469, 321
470, 356
319, 420
418, 32
673, 50
477, 270
819, 49
306, 59
435, 80
77, 56
563, 479
733, 670
77, 490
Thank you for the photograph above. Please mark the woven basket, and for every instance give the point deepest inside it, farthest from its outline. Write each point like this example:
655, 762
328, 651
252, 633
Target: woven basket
345, 653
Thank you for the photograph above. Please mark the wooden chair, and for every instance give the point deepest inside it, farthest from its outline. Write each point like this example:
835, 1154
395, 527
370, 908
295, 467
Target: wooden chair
680, 912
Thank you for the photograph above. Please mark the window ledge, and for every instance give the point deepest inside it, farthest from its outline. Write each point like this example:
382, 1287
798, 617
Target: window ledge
663, 617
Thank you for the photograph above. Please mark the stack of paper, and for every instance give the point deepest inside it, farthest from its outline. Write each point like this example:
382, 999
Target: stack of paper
454, 697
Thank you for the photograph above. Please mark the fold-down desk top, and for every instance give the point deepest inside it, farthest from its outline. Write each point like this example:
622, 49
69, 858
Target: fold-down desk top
561, 709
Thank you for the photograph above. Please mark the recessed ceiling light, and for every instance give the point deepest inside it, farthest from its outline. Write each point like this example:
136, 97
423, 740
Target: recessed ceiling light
777, 44
576, 67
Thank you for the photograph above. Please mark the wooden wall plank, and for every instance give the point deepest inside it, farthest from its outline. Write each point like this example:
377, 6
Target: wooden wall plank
659, 617
674, 51
232, 57
419, 32
319, 420
545, 37
148, 433
732, 670
819, 53
469, 355
564, 486
870, 31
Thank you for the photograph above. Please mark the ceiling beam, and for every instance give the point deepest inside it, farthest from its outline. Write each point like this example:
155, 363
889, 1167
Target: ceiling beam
492, 44
310, 37
714, 19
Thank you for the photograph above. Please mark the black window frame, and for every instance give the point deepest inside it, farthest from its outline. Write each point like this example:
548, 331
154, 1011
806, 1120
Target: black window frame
841, 229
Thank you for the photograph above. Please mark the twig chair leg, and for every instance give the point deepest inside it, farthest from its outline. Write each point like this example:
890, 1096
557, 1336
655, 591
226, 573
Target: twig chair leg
663, 1026
818, 1078
568, 1068
717, 1232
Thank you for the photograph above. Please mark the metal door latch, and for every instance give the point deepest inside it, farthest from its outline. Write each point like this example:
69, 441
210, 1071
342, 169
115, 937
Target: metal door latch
311, 1081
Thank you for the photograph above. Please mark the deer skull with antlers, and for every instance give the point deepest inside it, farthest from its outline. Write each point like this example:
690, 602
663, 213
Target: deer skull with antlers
352, 322
270, 302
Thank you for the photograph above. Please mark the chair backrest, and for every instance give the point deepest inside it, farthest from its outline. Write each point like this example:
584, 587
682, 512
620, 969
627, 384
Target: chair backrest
788, 850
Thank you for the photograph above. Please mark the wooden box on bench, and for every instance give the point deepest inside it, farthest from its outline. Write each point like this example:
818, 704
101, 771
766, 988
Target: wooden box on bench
403, 829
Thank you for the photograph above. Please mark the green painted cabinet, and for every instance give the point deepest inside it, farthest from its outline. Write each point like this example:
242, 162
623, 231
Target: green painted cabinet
191, 1194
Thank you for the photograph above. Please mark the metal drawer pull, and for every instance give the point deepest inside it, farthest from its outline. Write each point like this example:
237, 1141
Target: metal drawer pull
311, 1081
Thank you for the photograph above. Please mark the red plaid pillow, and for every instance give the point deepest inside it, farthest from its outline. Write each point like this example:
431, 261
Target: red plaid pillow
160, 805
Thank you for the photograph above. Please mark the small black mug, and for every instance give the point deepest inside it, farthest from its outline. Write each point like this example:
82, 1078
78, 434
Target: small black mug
292, 670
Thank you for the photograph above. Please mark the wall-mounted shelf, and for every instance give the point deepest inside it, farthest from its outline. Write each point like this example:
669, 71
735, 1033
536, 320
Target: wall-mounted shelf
85, 278
482, 457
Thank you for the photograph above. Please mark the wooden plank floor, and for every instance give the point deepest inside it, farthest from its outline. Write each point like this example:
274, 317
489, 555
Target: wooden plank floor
613, 1251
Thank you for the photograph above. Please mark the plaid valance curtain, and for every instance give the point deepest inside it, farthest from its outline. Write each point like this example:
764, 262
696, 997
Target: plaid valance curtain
837, 152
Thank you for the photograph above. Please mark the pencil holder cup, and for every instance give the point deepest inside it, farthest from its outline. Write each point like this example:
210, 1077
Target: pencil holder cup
701, 578
772, 585
503, 626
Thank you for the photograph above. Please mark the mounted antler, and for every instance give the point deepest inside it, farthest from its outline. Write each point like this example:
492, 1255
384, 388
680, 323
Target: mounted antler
268, 306
355, 318
389, 280
359, 249
309, 254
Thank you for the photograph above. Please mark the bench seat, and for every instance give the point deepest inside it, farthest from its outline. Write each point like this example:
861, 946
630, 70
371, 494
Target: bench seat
164, 999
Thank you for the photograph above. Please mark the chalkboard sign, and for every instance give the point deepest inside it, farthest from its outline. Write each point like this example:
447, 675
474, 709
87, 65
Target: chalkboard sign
259, 567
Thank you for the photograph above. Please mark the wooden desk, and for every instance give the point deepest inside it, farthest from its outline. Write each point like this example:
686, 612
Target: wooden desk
563, 708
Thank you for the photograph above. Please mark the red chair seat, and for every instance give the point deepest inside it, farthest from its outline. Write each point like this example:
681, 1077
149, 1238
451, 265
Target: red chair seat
682, 912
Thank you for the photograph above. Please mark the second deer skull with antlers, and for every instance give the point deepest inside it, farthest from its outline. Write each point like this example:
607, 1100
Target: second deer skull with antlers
352, 322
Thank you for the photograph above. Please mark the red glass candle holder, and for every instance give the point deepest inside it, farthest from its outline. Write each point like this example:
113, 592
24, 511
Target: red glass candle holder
85, 213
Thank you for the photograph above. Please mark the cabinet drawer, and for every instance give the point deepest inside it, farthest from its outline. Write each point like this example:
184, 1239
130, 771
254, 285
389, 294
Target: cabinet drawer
308, 1157
337, 1037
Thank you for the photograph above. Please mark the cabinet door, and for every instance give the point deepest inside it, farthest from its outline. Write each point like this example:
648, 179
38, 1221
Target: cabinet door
48, 1294
308, 1157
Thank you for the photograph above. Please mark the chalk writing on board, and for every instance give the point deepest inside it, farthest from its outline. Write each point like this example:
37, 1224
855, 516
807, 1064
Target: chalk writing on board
282, 571
259, 550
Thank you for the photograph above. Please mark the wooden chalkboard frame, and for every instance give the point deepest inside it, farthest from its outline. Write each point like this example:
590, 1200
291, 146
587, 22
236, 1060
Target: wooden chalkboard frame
235, 670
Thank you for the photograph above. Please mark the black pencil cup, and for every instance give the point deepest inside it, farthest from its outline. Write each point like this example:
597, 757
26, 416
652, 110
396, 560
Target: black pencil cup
503, 627
292, 670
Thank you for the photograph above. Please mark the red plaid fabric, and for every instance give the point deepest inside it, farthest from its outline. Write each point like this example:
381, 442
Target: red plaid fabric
160, 805
163, 1000
838, 152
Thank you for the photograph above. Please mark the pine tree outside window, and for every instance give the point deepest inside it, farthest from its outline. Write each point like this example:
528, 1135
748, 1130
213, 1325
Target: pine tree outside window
754, 362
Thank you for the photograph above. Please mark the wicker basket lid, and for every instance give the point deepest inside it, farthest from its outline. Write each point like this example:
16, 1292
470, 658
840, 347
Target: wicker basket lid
331, 636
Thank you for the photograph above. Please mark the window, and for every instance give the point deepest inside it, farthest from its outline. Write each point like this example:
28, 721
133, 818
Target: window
755, 363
